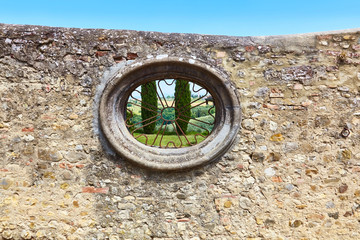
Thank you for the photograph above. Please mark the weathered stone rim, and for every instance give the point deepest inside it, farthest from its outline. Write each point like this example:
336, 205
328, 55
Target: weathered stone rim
115, 95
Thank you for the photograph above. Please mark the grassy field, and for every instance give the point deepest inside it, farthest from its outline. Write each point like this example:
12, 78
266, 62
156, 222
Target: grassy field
169, 138
193, 128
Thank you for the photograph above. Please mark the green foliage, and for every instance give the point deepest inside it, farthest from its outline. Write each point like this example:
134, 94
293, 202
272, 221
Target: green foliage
132, 122
148, 106
168, 114
129, 121
201, 111
182, 105
167, 138
200, 126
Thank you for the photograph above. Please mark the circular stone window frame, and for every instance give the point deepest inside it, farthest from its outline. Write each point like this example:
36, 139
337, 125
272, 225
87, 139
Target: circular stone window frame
115, 96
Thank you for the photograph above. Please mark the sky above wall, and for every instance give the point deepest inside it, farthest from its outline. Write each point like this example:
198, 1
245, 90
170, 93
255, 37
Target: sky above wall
220, 17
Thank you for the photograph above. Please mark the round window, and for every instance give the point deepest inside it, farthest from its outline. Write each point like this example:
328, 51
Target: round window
170, 114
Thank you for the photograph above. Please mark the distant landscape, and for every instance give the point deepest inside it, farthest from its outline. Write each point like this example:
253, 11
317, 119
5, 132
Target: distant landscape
165, 134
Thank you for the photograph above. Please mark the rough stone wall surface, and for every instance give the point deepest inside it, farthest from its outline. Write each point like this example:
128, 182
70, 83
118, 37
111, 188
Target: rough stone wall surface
292, 174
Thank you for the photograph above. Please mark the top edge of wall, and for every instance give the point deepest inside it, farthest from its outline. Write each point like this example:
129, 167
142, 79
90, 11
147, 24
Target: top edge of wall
292, 41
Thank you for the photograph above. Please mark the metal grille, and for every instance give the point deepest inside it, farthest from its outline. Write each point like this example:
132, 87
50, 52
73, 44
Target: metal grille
170, 113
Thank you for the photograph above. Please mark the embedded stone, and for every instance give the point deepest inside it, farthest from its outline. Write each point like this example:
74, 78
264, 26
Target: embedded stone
28, 138
357, 193
238, 56
334, 215
345, 155
249, 181
298, 86
86, 82
323, 42
311, 171
74, 157
303, 74
274, 157
229, 156
228, 204
82, 102
269, 172
273, 126
349, 37
322, 121
261, 92
345, 45
27, 150
307, 147
73, 116
241, 74
295, 224
269, 222
331, 180
126, 206
67, 175
49, 175
79, 147
264, 49
290, 146
343, 89
254, 105
289, 186
209, 226
181, 196
330, 204
64, 186
276, 95
301, 206
220, 54
53, 224
258, 156
276, 179
259, 221
343, 188
263, 147
26, 234
277, 137
245, 203
6, 183
343, 197
60, 126
259, 137
328, 158
348, 214
76, 204
40, 234
248, 124
7, 234
49, 155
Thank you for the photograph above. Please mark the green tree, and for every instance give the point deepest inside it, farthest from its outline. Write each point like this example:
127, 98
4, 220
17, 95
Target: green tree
149, 106
182, 105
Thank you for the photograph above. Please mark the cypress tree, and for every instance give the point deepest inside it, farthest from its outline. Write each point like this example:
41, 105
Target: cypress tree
182, 104
149, 101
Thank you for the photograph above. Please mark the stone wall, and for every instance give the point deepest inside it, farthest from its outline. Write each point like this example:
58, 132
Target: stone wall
292, 174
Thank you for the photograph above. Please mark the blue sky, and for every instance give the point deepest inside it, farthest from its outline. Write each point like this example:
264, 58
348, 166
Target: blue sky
226, 17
